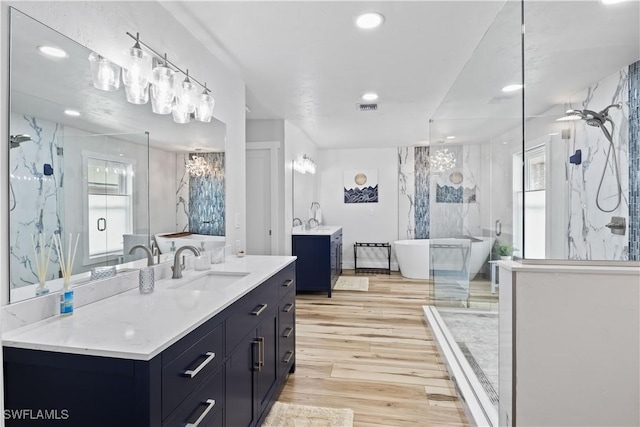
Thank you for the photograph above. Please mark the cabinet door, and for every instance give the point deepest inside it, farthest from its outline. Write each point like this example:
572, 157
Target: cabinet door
240, 368
267, 335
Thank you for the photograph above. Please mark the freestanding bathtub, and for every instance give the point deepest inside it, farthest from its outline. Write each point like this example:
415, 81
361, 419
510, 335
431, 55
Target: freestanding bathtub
415, 257
183, 239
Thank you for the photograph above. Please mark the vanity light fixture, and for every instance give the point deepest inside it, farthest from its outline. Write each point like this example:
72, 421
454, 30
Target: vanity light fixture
370, 96
105, 74
305, 165
149, 73
72, 113
54, 52
368, 21
512, 87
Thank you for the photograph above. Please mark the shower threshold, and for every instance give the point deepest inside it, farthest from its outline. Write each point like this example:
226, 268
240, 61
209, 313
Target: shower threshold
478, 407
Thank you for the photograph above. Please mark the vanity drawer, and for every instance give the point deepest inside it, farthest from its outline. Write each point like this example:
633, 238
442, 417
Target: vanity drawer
204, 404
250, 311
190, 369
286, 280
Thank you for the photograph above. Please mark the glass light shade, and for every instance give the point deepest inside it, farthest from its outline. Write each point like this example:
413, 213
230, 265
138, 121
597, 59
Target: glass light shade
105, 74
180, 113
137, 94
187, 94
204, 108
137, 70
163, 89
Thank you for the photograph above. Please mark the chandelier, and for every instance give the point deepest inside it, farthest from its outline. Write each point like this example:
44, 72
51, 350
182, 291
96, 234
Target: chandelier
305, 165
198, 166
442, 160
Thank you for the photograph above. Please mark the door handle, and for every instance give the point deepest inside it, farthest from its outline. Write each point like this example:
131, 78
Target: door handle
102, 221
261, 347
498, 227
256, 365
287, 283
287, 357
287, 332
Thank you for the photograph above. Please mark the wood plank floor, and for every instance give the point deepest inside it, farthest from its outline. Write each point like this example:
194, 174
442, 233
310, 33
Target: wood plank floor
372, 352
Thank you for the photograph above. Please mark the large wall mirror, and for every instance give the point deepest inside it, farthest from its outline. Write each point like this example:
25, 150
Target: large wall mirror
304, 194
111, 175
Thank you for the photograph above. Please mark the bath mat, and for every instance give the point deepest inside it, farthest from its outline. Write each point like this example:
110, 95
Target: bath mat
349, 283
292, 415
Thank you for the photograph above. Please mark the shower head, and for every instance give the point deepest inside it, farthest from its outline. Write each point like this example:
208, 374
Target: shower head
16, 140
591, 117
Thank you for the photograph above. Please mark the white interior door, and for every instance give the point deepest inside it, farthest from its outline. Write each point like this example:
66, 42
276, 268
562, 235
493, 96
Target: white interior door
259, 202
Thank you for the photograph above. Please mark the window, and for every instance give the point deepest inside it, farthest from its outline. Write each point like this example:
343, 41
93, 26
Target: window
109, 206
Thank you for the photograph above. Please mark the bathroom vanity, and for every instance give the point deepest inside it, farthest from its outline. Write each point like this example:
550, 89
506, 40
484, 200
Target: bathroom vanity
319, 257
213, 348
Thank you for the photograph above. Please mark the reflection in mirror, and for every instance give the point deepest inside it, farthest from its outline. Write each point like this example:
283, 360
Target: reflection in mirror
86, 162
304, 194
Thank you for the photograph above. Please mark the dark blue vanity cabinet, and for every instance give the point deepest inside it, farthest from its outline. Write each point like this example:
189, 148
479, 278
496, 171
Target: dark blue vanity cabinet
227, 372
319, 262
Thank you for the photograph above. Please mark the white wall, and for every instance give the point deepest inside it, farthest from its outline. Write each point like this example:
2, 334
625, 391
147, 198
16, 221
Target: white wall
363, 222
101, 26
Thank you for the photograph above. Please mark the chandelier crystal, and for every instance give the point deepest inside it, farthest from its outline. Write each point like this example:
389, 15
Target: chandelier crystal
198, 166
442, 160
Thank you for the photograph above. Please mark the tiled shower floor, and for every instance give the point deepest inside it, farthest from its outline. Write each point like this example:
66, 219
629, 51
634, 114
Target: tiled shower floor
476, 333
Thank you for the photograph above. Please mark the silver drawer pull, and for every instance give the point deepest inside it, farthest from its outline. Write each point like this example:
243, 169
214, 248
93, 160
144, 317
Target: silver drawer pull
210, 356
287, 357
287, 308
210, 404
262, 308
287, 332
287, 283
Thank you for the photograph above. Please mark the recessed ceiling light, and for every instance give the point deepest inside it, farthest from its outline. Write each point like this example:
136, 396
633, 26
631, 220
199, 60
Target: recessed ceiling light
370, 96
612, 1
370, 20
504, 142
54, 52
512, 87
451, 137
73, 113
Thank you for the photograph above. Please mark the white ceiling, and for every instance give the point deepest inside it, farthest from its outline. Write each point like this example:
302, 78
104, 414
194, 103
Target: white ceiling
307, 63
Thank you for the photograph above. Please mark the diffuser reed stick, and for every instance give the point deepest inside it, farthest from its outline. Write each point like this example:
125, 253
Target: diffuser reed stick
41, 260
66, 262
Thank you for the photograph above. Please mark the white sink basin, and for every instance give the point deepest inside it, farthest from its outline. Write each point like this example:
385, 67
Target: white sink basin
210, 282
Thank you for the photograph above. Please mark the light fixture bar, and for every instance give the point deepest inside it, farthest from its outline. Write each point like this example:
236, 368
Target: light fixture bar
164, 58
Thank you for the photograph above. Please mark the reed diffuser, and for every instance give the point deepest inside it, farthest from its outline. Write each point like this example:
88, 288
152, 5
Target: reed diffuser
66, 267
41, 261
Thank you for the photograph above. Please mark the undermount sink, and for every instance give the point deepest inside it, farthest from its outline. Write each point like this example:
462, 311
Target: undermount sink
210, 282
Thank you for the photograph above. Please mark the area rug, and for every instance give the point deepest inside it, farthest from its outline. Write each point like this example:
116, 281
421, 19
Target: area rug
349, 283
292, 415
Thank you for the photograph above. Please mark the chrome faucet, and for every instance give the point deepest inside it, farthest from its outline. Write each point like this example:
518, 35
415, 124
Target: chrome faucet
316, 223
298, 220
147, 250
177, 267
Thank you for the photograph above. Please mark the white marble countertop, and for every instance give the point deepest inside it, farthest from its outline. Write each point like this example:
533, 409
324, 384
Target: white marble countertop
321, 230
134, 326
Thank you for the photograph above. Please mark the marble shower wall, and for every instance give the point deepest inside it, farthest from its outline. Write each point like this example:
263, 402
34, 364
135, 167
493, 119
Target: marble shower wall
182, 193
453, 216
588, 238
406, 193
204, 205
634, 161
421, 214
39, 207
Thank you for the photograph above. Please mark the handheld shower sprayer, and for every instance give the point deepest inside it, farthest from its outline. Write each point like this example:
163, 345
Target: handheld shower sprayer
600, 119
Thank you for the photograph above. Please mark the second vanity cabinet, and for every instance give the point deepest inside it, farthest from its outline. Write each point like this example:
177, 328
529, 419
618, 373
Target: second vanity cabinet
319, 262
226, 372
